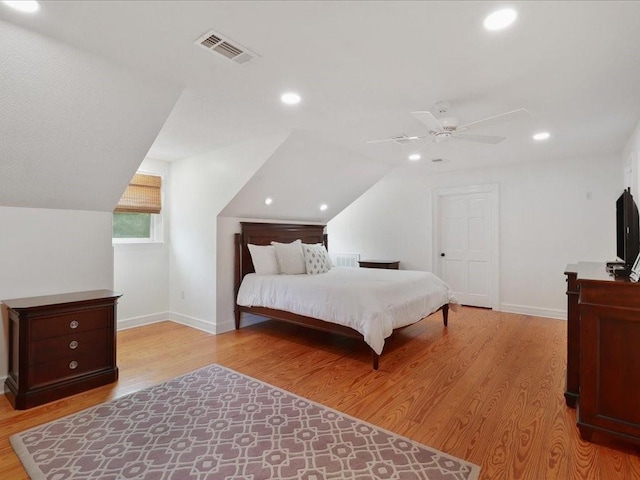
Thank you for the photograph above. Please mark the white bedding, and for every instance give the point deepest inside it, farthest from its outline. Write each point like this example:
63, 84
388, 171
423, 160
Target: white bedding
371, 301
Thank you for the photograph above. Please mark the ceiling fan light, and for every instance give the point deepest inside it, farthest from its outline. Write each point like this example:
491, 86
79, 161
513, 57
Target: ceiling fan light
500, 19
443, 137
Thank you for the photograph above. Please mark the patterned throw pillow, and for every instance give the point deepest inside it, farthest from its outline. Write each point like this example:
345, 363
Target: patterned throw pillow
316, 258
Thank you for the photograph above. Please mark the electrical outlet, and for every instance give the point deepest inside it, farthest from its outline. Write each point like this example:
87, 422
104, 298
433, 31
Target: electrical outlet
182, 294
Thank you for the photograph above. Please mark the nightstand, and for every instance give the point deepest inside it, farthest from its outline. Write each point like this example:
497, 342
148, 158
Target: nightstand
60, 345
388, 264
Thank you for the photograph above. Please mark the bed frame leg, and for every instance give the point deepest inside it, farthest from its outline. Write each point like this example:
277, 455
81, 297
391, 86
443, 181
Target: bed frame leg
376, 359
445, 314
237, 313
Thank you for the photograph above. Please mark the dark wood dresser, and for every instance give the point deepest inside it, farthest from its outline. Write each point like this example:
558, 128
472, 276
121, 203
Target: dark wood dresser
603, 362
60, 345
388, 264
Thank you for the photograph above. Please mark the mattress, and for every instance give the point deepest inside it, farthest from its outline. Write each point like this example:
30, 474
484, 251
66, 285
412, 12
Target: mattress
371, 301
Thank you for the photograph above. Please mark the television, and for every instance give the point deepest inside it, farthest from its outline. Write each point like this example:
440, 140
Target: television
627, 229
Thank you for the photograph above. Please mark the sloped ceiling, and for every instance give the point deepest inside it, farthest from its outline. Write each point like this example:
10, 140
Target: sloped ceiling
360, 67
302, 174
74, 127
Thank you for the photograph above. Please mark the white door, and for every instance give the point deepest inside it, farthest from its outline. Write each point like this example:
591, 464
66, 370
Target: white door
466, 244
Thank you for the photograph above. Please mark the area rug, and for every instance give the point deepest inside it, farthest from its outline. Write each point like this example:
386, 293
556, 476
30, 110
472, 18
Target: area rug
216, 423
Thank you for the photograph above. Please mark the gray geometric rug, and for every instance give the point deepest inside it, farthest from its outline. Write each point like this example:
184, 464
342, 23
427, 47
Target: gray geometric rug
216, 423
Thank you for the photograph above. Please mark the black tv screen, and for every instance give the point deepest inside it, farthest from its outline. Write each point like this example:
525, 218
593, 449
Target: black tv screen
627, 228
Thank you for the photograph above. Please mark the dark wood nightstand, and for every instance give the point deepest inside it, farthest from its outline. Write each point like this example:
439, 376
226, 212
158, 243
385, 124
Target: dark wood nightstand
60, 345
388, 264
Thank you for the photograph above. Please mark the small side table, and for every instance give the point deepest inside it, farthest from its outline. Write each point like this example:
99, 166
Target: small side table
388, 264
60, 345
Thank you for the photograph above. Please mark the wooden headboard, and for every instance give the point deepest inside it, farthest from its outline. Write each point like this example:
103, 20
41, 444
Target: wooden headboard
264, 234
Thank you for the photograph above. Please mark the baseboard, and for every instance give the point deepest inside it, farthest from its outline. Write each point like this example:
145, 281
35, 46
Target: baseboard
192, 322
164, 316
227, 326
142, 320
534, 311
248, 319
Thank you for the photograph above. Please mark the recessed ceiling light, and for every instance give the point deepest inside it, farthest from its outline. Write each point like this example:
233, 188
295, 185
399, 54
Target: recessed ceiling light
541, 136
323, 207
26, 6
268, 201
414, 157
290, 98
500, 19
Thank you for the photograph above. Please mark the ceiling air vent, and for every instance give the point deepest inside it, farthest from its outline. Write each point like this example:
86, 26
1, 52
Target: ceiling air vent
215, 42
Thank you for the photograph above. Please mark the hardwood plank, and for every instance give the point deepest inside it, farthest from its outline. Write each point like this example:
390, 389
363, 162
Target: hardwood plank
488, 388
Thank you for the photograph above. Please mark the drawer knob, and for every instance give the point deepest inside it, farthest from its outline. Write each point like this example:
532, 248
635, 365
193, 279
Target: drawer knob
74, 324
73, 345
73, 365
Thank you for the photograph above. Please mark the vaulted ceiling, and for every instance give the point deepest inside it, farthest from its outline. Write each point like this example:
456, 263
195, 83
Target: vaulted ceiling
74, 127
360, 67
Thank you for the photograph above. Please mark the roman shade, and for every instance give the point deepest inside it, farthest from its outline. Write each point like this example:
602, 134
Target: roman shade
142, 195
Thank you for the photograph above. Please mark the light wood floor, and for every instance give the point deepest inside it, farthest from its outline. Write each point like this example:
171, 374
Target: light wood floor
489, 388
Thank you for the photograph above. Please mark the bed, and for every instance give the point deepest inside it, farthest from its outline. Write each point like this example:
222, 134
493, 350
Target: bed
387, 299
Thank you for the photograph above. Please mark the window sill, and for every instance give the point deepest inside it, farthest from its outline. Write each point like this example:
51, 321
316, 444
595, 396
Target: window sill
135, 241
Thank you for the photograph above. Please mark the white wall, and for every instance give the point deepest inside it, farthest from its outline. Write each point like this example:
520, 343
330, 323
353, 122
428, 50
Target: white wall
200, 187
631, 157
141, 270
44, 251
225, 299
551, 214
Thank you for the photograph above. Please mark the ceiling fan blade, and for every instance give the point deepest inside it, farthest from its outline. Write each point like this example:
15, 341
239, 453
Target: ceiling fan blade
400, 139
501, 117
429, 120
380, 141
491, 139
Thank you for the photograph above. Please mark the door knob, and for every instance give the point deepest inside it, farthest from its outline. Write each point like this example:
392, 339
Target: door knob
442, 254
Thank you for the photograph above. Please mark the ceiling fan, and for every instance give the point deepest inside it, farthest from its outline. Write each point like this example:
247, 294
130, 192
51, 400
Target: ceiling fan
445, 127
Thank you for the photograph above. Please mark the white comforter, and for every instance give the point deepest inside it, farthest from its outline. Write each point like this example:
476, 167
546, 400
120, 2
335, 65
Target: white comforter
371, 301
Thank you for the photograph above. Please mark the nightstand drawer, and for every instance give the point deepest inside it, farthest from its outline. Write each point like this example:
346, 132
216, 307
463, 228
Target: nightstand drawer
76, 344
388, 264
69, 367
69, 323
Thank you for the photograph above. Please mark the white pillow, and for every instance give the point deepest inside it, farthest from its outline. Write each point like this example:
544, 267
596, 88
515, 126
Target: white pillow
290, 257
264, 259
316, 258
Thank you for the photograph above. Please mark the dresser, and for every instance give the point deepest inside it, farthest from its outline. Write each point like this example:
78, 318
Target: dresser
603, 354
60, 345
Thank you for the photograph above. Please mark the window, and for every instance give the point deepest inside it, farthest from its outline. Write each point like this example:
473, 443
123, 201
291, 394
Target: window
137, 217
